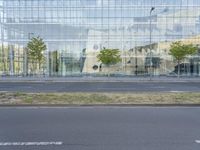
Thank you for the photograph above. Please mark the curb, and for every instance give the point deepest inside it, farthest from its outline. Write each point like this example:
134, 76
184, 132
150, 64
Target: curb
98, 81
102, 105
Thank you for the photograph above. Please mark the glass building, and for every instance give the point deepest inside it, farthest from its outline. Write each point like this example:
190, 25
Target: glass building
75, 31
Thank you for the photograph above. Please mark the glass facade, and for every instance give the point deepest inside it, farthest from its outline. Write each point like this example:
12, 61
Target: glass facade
76, 30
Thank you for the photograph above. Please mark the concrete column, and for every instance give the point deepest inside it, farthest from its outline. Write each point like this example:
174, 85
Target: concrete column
11, 57
25, 63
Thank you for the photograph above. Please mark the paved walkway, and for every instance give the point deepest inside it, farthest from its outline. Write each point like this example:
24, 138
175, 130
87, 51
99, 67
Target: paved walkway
100, 86
99, 79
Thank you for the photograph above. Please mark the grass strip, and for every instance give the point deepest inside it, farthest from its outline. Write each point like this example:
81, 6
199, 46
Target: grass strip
99, 98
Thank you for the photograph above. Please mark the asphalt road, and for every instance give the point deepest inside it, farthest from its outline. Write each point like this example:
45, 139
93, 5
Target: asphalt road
100, 86
100, 128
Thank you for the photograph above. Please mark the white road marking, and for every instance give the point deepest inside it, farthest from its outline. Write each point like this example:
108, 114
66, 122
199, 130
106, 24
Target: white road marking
30, 143
197, 141
179, 91
158, 87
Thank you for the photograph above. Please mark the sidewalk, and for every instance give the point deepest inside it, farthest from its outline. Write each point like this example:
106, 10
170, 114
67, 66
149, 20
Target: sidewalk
99, 79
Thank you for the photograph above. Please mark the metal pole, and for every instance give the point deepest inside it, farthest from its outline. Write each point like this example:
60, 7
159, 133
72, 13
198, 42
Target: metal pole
151, 65
136, 61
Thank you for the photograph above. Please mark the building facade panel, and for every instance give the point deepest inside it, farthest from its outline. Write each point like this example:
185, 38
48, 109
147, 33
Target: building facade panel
76, 30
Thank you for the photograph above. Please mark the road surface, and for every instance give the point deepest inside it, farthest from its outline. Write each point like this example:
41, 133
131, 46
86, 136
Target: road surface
100, 128
100, 87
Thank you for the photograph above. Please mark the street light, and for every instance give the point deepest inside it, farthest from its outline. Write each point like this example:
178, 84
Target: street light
151, 65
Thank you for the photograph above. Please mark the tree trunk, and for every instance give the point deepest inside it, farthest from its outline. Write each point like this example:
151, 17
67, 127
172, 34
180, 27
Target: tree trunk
108, 72
179, 67
39, 65
34, 68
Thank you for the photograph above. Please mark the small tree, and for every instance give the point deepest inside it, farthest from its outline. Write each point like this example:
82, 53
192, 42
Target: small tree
180, 51
109, 57
36, 47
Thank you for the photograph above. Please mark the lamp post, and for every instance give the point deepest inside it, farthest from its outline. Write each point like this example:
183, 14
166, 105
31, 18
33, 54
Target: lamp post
151, 65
